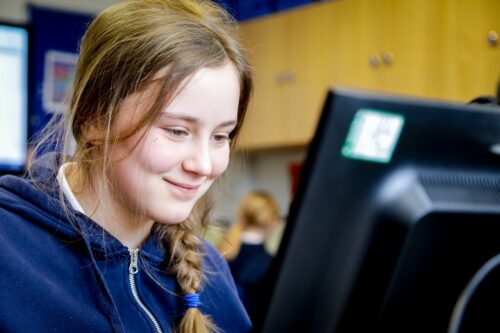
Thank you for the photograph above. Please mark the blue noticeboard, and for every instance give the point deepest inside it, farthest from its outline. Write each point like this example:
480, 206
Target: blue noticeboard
56, 36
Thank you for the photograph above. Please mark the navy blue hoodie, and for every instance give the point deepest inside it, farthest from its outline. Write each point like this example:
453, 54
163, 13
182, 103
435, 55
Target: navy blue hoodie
59, 277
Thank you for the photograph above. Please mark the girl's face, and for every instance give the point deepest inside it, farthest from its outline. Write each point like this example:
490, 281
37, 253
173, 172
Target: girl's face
180, 156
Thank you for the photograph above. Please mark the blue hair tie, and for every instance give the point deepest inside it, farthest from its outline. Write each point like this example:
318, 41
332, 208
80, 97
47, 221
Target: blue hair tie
191, 300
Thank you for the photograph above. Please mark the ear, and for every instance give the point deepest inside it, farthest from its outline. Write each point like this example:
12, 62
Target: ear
92, 132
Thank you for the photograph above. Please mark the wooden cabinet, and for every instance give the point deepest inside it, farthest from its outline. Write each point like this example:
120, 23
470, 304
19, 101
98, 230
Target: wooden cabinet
470, 57
268, 42
290, 83
398, 45
428, 48
308, 88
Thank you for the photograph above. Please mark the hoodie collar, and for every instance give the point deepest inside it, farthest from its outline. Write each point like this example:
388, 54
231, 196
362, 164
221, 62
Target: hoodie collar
68, 192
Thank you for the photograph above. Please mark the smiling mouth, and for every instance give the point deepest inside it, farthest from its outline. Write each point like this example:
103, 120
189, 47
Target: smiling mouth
185, 186
187, 191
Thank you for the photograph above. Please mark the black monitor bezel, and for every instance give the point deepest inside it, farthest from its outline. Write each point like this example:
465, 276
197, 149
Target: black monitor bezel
316, 145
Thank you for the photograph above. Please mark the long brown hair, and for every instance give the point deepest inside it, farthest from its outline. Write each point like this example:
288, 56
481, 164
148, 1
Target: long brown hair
123, 50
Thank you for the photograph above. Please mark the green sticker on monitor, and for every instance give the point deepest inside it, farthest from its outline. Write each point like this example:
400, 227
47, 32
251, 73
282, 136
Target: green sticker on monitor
373, 135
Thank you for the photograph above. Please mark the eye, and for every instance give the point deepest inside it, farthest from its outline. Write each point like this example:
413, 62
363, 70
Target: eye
221, 138
176, 132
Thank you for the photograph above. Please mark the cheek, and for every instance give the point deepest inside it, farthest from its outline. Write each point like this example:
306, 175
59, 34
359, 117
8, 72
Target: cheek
155, 156
220, 161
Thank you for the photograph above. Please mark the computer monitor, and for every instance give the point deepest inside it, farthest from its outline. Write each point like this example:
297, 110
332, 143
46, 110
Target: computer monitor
14, 60
396, 216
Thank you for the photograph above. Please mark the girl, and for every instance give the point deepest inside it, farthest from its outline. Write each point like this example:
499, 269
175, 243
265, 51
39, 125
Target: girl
249, 260
105, 238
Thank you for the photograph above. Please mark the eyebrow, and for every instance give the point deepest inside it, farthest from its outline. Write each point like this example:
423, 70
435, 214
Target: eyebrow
191, 119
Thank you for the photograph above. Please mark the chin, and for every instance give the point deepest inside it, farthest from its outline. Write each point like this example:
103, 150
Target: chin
172, 218
172, 213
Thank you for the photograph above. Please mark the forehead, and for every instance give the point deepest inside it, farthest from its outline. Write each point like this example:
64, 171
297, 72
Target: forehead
210, 93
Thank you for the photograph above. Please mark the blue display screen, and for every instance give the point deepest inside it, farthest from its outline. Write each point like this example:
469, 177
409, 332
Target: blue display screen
13, 97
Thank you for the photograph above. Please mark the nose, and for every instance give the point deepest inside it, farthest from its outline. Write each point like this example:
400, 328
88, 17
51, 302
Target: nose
199, 160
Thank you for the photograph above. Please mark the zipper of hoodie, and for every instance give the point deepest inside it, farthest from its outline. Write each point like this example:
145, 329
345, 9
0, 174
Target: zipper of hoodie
133, 269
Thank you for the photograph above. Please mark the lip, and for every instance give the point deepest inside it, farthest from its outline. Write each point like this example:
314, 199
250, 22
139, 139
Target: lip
185, 190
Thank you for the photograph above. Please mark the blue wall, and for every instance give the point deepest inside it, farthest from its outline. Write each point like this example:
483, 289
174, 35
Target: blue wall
248, 9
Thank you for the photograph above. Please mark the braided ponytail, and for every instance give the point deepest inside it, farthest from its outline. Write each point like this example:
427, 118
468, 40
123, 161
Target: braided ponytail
186, 262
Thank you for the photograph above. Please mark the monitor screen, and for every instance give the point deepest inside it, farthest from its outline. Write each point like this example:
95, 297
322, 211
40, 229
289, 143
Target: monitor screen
396, 213
13, 97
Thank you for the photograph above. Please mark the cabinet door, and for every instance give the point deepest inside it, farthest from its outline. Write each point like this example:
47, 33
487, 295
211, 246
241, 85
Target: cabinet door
411, 43
308, 89
354, 40
471, 63
290, 83
386, 45
268, 43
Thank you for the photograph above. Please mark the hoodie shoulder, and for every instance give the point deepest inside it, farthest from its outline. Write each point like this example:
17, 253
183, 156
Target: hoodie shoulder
24, 205
14, 192
220, 297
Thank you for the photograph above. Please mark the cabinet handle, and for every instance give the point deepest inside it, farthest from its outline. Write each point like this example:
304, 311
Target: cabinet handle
289, 77
374, 61
492, 38
388, 58
285, 77
279, 78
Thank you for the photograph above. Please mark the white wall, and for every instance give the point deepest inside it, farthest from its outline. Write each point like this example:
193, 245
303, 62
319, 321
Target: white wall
266, 170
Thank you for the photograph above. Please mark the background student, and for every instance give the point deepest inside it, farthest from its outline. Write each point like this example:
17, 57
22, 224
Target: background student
249, 260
